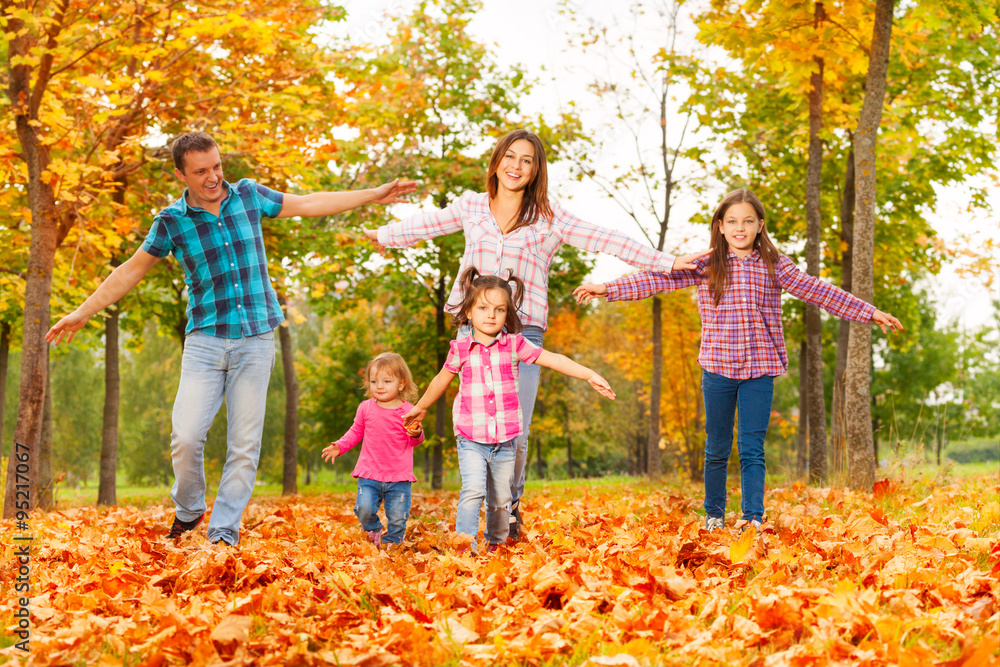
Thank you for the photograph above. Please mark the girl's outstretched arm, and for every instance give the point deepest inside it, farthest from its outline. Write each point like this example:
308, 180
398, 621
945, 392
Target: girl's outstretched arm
567, 366
830, 297
435, 390
350, 439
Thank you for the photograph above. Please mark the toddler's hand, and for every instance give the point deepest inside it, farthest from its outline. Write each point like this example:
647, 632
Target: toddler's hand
601, 385
413, 419
584, 293
413, 432
331, 453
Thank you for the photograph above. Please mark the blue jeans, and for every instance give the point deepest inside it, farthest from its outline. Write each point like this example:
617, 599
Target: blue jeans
212, 368
395, 495
722, 397
528, 376
487, 471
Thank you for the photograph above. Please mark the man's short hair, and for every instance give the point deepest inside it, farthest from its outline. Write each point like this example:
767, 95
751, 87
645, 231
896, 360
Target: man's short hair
190, 142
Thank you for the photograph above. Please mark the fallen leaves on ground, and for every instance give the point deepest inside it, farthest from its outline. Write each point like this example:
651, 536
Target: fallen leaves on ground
607, 575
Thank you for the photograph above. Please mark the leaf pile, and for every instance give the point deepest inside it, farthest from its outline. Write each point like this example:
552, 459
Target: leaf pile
624, 574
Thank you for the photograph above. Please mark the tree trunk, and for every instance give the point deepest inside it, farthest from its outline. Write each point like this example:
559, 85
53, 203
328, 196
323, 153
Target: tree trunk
814, 228
569, 442
290, 463
25, 100
838, 439
45, 496
106, 491
857, 390
440, 412
653, 441
802, 453
4, 357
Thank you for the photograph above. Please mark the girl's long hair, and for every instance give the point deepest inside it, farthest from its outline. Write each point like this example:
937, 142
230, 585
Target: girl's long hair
718, 263
474, 284
393, 364
535, 200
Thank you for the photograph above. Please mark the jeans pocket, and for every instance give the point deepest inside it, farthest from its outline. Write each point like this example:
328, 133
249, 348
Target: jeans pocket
268, 335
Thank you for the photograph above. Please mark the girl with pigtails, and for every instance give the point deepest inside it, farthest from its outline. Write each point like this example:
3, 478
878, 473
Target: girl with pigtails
488, 418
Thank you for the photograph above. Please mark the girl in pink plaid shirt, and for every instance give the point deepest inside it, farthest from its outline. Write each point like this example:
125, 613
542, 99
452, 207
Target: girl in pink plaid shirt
514, 228
742, 341
487, 413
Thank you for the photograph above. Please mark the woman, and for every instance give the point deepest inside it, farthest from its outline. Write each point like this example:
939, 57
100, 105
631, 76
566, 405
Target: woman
513, 227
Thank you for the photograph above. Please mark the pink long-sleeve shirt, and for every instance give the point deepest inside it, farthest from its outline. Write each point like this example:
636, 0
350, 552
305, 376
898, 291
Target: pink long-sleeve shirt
387, 455
527, 252
742, 337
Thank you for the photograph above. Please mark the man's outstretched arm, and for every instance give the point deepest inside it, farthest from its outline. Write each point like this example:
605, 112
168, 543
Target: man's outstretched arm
114, 287
319, 204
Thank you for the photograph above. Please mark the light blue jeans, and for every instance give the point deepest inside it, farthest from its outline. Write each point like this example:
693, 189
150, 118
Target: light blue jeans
395, 495
528, 376
486, 471
212, 368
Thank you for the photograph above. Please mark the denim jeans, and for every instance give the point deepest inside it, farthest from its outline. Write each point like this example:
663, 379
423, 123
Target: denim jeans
395, 495
486, 475
212, 368
722, 398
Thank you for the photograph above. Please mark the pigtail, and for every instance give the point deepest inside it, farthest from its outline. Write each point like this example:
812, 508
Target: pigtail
517, 291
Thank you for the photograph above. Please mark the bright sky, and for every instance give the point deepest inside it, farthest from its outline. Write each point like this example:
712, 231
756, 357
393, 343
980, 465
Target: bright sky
534, 34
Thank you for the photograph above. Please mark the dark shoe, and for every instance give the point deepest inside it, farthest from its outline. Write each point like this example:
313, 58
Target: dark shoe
180, 527
490, 548
514, 532
220, 541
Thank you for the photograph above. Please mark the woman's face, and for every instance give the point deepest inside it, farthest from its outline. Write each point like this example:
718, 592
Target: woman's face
517, 166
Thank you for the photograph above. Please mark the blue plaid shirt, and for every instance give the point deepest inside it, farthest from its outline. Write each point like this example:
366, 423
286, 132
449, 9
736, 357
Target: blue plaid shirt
225, 268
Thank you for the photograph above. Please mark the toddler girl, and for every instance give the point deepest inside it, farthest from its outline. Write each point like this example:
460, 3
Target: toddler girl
385, 466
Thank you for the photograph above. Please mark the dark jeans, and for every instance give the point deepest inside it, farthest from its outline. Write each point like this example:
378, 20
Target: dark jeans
722, 398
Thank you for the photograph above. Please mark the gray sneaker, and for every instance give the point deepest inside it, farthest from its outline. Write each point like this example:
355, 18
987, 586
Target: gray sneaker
753, 523
714, 523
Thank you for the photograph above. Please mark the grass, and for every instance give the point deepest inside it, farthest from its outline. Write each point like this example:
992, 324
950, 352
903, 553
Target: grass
908, 468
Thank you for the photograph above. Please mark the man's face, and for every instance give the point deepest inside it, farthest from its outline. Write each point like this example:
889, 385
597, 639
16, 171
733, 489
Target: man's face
203, 177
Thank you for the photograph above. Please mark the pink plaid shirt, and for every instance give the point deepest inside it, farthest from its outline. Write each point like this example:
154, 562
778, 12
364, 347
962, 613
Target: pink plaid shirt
486, 409
527, 252
743, 338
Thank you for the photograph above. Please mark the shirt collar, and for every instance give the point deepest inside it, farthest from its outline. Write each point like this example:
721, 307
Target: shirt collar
752, 257
186, 210
500, 339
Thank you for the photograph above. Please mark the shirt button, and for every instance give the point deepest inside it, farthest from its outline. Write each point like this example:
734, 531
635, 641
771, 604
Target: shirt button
232, 265
227, 243
220, 224
238, 306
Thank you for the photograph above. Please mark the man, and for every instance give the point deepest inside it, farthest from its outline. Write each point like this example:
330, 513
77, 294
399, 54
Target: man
214, 231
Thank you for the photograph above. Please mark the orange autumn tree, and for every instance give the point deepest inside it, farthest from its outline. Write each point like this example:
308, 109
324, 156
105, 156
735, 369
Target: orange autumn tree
616, 339
89, 83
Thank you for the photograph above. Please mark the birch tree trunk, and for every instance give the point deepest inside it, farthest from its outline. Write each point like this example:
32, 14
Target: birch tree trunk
857, 387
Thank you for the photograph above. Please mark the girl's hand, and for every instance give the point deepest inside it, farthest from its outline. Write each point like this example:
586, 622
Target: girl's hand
414, 432
886, 320
601, 385
413, 419
391, 193
372, 235
584, 293
331, 452
687, 261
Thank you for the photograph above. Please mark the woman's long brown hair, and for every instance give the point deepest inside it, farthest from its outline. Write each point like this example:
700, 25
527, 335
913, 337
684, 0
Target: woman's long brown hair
535, 199
718, 263
474, 284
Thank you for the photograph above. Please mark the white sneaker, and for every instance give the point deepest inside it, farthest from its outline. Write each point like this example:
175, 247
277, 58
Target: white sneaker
714, 523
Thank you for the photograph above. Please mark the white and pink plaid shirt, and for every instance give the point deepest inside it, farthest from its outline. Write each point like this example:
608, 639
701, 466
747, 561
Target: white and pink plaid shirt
743, 337
486, 409
527, 252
